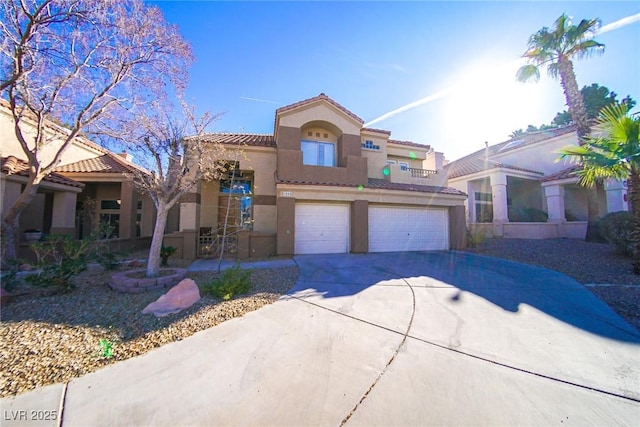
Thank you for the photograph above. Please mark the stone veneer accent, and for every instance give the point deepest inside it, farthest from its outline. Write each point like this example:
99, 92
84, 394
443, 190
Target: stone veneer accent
122, 282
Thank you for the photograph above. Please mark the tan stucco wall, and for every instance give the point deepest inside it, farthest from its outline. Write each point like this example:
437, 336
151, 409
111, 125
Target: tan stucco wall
260, 160
318, 134
320, 111
404, 152
10, 146
409, 198
210, 191
265, 218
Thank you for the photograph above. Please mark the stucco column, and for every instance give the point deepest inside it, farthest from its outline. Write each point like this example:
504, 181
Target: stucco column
360, 226
555, 202
499, 191
190, 210
128, 208
63, 216
616, 191
286, 225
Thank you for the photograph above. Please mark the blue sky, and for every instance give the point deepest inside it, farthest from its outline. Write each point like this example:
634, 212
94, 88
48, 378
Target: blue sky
375, 57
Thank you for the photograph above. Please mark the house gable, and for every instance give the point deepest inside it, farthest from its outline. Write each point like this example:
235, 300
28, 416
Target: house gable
318, 140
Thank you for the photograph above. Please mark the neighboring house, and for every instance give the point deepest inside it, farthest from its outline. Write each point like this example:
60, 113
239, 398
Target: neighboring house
90, 185
519, 189
322, 183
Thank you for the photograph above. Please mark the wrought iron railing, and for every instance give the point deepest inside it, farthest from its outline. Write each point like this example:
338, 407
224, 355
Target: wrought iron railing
421, 173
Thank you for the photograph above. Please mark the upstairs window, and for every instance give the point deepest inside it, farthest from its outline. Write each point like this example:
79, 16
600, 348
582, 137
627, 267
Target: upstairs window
403, 165
368, 144
318, 153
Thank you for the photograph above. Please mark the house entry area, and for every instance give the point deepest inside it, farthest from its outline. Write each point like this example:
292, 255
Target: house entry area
227, 210
397, 229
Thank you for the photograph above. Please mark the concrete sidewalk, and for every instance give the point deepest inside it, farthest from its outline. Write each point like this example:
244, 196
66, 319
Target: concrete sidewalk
380, 339
212, 264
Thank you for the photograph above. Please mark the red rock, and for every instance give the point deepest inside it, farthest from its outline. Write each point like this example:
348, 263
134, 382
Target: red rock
181, 296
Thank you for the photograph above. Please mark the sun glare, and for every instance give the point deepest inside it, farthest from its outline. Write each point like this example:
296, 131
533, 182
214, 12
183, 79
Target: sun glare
492, 102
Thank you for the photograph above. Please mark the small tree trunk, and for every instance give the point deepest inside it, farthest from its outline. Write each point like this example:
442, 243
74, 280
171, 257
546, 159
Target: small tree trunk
153, 261
11, 220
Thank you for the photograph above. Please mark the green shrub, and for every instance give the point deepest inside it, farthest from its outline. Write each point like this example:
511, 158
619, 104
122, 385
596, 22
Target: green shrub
616, 228
231, 282
165, 253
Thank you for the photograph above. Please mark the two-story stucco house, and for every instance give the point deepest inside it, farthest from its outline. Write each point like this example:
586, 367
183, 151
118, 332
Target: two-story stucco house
323, 183
519, 188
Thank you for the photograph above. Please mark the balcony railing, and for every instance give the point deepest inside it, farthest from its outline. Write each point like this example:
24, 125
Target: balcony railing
421, 173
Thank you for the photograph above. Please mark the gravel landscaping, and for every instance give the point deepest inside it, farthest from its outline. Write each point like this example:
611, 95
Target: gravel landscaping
49, 339
55, 338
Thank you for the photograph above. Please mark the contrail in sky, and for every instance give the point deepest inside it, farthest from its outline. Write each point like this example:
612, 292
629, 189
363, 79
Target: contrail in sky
258, 100
619, 23
445, 92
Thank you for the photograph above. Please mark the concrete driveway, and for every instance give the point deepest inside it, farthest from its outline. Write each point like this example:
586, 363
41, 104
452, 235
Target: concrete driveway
436, 338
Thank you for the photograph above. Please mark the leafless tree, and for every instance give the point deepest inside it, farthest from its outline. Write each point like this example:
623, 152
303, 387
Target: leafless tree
88, 65
171, 146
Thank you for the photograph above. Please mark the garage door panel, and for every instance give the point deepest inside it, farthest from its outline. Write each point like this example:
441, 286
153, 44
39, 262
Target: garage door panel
407, 229
321, 229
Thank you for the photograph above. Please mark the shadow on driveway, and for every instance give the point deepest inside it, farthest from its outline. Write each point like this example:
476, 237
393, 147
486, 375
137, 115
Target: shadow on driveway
505, 283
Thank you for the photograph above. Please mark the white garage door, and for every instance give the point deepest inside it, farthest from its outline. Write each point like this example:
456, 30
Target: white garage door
321, 229
393, 229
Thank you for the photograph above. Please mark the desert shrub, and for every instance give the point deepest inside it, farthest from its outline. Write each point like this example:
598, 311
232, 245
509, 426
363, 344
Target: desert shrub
616, 228
475, 238
527, 215
59, 258
569, 216
233, 281
9, 276
108, 259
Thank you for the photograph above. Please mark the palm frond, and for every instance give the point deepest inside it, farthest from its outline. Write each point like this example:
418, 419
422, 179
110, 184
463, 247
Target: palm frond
586, 49
614, 155
528, 72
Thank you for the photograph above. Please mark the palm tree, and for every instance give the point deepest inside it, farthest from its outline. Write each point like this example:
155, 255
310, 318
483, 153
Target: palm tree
555, 48
615, 155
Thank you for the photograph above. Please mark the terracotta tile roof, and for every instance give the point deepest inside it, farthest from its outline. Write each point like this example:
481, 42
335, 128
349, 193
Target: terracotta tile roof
473, 165
83, 140
386, 185
477, 161
386, 132
260, 140
320, 97
104, 163
568, 173
13, 166
410, 144
382, 184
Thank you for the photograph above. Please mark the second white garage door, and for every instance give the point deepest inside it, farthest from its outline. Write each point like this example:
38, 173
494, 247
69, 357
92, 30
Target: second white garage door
393, 229
321, 229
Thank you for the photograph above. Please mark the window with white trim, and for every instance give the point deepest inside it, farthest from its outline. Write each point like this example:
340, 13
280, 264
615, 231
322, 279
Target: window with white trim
318, 153
483, 206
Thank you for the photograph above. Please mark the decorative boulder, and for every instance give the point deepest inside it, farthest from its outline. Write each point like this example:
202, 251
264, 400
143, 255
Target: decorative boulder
181, 296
